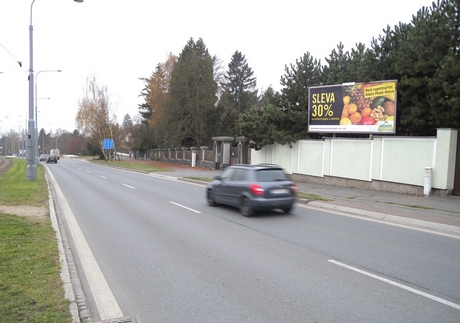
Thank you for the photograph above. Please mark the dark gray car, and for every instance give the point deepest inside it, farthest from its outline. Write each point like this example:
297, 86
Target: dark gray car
51, 159
253, 188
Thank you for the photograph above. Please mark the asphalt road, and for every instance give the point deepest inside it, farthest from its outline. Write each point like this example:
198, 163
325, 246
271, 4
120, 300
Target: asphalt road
151, 247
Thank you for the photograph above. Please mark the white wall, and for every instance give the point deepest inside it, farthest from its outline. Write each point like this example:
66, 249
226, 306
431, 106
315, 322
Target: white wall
384, 158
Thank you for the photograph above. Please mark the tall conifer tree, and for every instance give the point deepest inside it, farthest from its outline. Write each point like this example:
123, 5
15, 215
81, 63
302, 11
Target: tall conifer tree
240, 84
192, 96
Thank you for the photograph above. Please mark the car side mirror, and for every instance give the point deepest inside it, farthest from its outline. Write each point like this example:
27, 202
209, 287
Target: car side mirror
218, 178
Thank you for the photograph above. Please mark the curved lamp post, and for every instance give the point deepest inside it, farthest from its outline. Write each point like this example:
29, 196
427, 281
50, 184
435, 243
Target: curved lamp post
31, 173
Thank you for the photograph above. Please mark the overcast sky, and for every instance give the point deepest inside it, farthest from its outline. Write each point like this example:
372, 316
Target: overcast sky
122, 41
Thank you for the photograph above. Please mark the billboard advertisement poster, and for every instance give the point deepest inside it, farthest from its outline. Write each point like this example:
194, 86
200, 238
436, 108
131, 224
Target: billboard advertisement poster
353, 108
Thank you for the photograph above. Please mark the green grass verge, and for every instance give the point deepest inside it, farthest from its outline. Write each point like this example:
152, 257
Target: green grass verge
202, 179
30, 283
412, 206
16, 190
312, 197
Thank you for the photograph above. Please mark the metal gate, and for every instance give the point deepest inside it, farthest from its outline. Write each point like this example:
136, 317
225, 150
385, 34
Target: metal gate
239, 154
456, 190
233, 155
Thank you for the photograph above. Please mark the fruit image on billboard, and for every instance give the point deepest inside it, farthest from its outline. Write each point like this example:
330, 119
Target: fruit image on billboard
353, 108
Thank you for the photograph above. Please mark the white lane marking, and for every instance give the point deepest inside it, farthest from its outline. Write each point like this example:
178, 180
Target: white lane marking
88, 171
103, 176
106, 304
184, 207
171, 178
79, 168
410, 289
128, 186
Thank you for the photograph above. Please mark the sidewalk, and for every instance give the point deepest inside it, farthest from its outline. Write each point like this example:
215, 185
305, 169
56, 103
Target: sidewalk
437, 213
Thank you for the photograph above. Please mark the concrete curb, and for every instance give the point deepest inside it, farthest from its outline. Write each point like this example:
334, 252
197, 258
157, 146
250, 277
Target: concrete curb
69, 293
78, 307
384, 217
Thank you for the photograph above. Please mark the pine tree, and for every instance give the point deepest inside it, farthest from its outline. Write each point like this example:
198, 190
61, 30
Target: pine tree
444, 88
259, 125
240, 85
336, 69
428, 64
192, 96
127, 122
292, 123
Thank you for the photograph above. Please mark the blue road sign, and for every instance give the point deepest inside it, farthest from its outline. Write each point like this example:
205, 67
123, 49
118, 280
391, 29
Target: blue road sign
108, 143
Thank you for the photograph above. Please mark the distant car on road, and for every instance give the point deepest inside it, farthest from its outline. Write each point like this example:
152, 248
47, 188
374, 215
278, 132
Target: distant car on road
51, 159
253, 188
56, 153
43, 157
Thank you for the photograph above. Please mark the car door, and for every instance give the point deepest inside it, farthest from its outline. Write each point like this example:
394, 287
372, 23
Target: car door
237, 185
223, 187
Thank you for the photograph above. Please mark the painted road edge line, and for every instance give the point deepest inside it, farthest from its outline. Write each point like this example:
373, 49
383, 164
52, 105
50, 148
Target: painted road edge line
106, 304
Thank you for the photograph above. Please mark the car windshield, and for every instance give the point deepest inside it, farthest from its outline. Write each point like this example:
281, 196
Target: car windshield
271, 175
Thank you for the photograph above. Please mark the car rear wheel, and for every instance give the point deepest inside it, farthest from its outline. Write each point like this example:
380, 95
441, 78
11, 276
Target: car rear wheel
287, 209
245, 207
210, 197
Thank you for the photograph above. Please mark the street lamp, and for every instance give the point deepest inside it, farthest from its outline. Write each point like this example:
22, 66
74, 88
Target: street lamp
31, 173
21, 144
36, 112
12, 131
6, 142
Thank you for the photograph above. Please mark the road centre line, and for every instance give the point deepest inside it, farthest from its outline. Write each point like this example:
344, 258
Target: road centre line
88, 171
182, 206
128, 186
103, 176
410, 289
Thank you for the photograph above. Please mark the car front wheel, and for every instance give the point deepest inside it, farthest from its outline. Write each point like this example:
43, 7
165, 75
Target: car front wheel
210, 198
245, 207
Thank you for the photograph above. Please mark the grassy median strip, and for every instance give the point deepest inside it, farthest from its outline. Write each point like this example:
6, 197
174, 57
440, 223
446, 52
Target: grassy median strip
312, 197
30, 283
16, 190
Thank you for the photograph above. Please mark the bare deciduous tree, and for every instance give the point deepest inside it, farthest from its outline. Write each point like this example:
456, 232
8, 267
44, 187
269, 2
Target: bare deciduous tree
95, 119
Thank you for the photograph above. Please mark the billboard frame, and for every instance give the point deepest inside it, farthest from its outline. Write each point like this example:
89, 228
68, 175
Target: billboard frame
360, 108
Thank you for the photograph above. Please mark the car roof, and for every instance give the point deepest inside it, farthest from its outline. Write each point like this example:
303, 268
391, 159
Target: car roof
257, 167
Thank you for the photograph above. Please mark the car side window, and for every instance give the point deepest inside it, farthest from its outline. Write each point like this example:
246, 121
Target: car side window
271, 175
239, 175
227, 174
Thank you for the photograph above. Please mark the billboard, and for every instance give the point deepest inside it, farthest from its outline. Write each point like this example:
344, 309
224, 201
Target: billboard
353, 108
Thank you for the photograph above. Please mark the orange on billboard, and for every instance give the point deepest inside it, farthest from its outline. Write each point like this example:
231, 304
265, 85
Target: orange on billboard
353, 108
